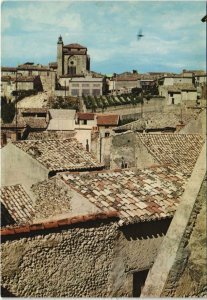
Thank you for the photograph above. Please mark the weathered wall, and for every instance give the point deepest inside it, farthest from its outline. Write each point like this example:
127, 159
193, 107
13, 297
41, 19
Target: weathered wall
88, 260
71, 263
128, 146
123, 145
19, 167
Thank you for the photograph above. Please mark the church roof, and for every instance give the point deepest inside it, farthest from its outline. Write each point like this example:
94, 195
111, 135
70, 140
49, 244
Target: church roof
75, 46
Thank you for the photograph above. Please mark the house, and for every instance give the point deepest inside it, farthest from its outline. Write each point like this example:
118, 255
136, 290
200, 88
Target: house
36, 160
10, 84
107, 253
106, 122
142, 150
17, 129
123, 83
84, 125
178, 93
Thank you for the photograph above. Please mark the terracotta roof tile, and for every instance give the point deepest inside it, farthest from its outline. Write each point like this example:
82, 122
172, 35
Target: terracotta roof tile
59, 155
18, 203
179, 150
85, 116
126, 195
112, 120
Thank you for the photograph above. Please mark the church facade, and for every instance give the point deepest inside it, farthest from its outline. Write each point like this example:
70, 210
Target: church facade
72, 60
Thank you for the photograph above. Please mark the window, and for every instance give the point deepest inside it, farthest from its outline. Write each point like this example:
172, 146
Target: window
30, 73
173, 102
85, 85
85, 92
96, 84
96, 92
75, 92
71, 70
85, 122
138, 282
107, 134
171, 94
75, 84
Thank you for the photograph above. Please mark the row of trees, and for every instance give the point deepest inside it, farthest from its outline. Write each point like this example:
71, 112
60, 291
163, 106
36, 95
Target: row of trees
93, 102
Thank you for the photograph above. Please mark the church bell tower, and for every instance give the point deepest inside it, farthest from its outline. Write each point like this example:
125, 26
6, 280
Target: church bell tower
60, 56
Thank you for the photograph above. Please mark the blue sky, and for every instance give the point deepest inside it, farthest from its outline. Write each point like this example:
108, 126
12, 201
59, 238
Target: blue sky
174, 36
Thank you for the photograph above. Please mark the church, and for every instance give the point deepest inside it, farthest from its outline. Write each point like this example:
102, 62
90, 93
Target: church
72, 59
73, 71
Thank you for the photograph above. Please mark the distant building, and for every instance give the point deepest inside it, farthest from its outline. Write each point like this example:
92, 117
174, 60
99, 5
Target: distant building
72, 59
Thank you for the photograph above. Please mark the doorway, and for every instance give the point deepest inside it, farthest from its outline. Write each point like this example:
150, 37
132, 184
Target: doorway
138, 282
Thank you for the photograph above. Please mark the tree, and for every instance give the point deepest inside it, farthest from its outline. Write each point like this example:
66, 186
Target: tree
7, 110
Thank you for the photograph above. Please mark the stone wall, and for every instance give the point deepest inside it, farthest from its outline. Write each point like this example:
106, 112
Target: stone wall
94, 259
72, 263
135, 154
188, 275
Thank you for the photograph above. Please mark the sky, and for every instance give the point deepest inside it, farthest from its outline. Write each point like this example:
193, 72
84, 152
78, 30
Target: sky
174, 36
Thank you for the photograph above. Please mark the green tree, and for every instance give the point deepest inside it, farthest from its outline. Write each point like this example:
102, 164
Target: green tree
7, 110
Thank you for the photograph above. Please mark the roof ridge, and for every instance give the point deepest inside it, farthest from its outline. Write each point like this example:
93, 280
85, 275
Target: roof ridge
49, 224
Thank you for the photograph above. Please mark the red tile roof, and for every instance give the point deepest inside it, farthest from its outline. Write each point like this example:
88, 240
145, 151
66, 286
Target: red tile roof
59, 155
181, 151
74, 46
12, 230
140, 195
85, 116
111, 120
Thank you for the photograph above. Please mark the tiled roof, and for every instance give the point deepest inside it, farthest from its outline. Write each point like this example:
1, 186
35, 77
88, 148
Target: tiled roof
74, 46
180, 87
59, 155
25, 79
47, 224
179, 150
103, 120
34, 122
50, 135
34, 110
140, 195
5, 78
18, 203
85, 116
8, 69
157, 120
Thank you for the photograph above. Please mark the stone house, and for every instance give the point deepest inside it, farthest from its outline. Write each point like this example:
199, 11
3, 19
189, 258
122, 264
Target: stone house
123, 83
178, 93
142, 150
9, 85
36, 160
17, 129
133, 212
